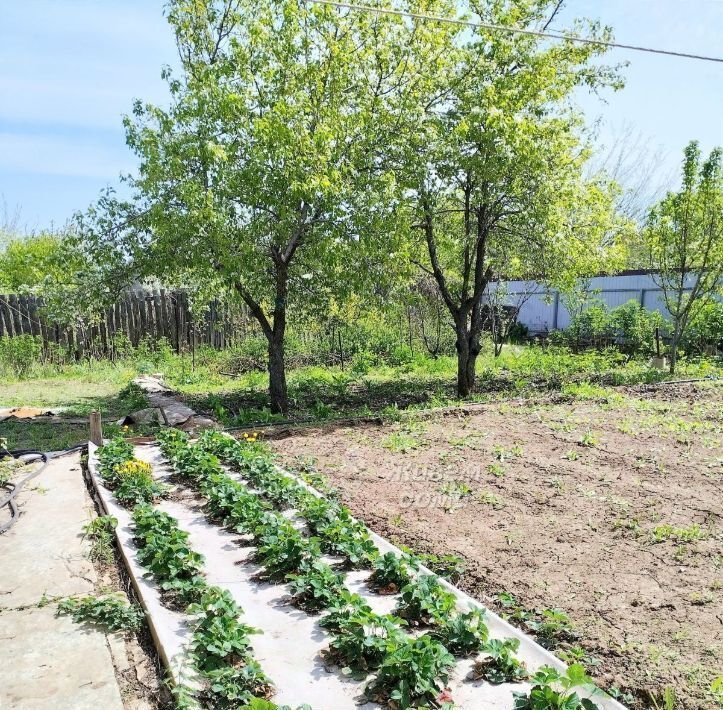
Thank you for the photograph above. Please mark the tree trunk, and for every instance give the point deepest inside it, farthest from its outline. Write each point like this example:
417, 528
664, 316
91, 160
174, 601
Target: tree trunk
674, 349
467, 353
277, 375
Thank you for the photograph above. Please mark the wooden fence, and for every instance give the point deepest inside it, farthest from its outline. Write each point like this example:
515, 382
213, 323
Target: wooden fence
138, 315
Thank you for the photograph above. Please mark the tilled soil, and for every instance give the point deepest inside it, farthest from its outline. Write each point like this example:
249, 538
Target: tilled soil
607, 507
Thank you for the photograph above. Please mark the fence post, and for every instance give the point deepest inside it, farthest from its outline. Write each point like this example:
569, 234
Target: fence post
96, 429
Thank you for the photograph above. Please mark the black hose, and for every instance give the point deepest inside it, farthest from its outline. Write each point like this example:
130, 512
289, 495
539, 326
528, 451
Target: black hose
31, 456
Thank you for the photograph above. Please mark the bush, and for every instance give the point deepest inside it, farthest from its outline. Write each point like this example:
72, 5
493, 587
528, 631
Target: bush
635, 326
18, 354
705, 329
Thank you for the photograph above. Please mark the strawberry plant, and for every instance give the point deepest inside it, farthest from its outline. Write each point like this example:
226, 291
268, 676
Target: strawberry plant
135, 484
414, 672
282, 491
232, 687
425, 601
232, 504
551, 626
346, 605
112, 612
116, 452
450, 567
316, 586
281, 547
462, 634
392, 572
219, 638
363, 640
500, 665
552, 690
164, 551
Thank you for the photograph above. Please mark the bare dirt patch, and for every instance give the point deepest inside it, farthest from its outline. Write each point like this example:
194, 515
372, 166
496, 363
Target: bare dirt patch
608, 505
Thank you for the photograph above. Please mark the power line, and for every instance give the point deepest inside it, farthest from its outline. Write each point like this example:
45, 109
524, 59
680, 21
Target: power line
514, 30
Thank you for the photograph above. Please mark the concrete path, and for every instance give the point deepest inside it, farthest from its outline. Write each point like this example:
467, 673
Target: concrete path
49, 662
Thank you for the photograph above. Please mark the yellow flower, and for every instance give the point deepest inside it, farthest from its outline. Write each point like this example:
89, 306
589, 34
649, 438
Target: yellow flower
134, 467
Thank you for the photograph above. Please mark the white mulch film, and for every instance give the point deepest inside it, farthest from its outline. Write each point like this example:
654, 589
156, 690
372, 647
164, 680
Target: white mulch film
291, 641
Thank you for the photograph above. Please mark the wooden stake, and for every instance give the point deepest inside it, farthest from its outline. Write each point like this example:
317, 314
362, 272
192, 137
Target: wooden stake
96, 429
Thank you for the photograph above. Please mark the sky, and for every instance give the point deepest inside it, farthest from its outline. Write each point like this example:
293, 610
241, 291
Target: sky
70, 69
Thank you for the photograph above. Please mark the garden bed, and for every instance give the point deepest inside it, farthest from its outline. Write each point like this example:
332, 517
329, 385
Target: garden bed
291, 647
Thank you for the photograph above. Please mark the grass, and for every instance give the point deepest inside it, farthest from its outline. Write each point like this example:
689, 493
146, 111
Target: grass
315, 392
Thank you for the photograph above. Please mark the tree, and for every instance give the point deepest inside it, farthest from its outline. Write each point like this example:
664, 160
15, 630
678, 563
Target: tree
683, 241
494, 169
27, 263
264, 174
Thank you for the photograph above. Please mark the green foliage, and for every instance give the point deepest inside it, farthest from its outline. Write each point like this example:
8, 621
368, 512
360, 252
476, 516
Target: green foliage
18, 354
282, 549
415, 671
164, 551
219, 638
116, 452
630, 326
35, 262
705, 330
111, 612
133, 398
231, 687
551, 626
346, 605
135, 484
100, 533
462, 634
363, 640
635, 326
451, 567
500, 664
391, 572
425, 601
552, 690
316, 586
683, 241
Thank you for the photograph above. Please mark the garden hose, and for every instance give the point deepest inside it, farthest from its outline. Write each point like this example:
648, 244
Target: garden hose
29, 457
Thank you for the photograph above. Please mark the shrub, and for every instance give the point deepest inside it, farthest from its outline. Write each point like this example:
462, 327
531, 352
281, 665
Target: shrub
635, 326
18, 354
705, 329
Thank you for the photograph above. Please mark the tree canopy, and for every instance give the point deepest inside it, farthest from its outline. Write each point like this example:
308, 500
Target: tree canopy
683, 241
310, 152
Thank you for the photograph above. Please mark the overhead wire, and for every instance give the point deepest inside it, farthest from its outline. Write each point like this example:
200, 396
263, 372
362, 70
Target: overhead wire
515, 30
